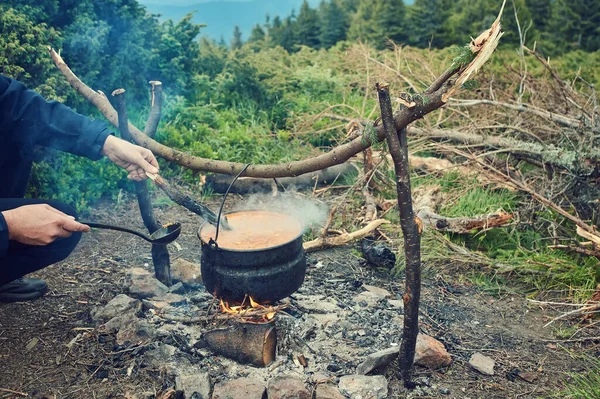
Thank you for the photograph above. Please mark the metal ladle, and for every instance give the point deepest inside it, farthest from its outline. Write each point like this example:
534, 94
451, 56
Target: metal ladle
163, 236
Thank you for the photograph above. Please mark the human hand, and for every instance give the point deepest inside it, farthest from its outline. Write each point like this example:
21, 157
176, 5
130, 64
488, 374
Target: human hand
40, 224
134, 159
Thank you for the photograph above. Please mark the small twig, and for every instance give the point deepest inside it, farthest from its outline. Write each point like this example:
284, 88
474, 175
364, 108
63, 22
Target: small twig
6, 390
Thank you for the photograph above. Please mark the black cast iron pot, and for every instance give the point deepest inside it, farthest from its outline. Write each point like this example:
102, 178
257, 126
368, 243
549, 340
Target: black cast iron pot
266, 274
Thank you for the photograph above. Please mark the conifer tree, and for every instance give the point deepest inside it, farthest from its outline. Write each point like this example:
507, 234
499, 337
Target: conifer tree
334, 23
257, 34
376, 21
236, 42
541, 13
308, 29
576, 24
288, 34
275, 31
427, 23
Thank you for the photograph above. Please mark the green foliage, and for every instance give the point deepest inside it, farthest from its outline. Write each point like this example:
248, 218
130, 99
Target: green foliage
24, 52
308, 29
334, 21
76, 181
377, 21
236, 41
481, 200
584, 385
427, 23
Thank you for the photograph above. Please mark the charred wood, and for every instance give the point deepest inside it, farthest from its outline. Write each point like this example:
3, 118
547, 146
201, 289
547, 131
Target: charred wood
160, 253
246, 343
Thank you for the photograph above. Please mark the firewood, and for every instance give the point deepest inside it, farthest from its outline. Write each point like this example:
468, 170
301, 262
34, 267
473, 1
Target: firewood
246, 343
343, 239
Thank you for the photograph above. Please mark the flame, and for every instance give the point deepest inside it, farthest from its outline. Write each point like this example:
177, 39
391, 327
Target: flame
251, 312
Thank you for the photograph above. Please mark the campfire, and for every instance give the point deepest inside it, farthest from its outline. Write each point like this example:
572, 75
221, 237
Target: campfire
251, 336
251, 311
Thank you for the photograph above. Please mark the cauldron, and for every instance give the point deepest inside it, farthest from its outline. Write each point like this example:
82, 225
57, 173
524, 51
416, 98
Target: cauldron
264, 260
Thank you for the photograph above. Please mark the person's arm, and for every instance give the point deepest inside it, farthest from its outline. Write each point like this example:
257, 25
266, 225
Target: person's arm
3, 236
31, 121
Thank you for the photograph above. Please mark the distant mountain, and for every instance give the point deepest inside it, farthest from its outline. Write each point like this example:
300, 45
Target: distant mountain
221, 16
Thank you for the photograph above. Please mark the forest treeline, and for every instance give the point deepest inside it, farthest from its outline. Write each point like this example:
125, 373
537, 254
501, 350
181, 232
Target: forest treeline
117, 43
557, 26
242, 100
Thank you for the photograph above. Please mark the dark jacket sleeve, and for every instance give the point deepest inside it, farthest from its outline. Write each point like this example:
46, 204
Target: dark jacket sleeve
30, 120
3, 236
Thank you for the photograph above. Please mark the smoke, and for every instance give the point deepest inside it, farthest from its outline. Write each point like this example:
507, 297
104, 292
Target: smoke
310, 212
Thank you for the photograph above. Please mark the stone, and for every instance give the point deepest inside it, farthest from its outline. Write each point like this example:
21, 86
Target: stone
396, 303
144, 285
172, 299
241, 388
120, 322
482, 363
431, 353
287, 387
530, 377
364, 387
159, 356
186, 272
316, 303
178, 288
328, 391
382, 292
193, 381
117, 306
367, 299
137, 333
378, 359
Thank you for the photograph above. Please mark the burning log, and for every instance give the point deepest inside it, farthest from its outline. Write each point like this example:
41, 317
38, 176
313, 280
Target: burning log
246, 343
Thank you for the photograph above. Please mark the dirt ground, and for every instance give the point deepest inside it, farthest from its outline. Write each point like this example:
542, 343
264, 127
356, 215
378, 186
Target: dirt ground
50, 349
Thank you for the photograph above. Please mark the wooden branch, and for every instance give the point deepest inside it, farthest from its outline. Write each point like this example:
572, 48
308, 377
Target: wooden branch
577, 249
160, 253
184, 200
427, 200
522, 186
536, 153
244, 342
542, 113
398, 147
546, 153
219, 183
343, 239
155, 108
337, 155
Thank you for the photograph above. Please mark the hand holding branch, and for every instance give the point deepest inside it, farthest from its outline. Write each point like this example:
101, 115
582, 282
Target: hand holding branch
134, 159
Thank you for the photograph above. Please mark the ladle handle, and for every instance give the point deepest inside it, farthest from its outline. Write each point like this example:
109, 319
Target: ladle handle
118, 228
186, 201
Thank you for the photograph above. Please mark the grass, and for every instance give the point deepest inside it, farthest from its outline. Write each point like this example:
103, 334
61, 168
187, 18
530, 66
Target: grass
584, 385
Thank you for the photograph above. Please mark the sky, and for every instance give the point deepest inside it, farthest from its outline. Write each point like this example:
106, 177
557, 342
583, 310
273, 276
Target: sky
221, 16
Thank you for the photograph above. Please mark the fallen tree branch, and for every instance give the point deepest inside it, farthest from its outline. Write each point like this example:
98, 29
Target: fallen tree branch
428, 198
542, 113
343, 239
522, 186
340, 154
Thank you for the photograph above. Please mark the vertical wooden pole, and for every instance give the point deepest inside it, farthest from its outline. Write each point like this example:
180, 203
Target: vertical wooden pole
398, 147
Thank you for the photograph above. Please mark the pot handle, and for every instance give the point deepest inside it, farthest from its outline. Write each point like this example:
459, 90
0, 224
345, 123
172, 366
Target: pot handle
223, 203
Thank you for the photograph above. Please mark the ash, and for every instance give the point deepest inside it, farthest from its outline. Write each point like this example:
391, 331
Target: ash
330, 334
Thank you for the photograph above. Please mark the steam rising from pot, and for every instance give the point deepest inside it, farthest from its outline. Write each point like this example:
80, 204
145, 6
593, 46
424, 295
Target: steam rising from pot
310, 212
